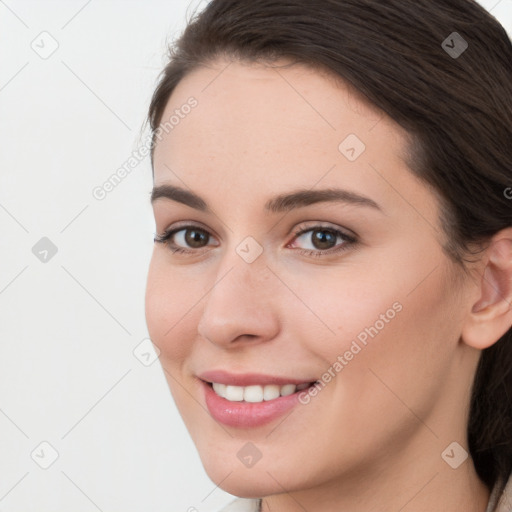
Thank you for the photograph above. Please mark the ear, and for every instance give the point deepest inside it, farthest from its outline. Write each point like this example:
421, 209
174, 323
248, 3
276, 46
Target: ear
491, 314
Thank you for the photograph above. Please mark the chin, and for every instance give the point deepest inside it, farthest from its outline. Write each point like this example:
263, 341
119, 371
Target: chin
248, 482
250, 485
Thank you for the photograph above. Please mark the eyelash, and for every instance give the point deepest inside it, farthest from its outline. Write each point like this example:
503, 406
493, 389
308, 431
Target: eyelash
348, 240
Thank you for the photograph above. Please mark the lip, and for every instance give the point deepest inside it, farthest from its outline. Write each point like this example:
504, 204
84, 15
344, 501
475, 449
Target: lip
248, 379
247, 414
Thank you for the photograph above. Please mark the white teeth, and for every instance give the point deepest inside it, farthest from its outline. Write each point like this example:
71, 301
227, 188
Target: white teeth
271, 391
255, 393
234, 393
220, 389
288, 389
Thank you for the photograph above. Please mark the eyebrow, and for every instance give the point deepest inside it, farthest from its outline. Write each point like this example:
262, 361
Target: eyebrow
278, 204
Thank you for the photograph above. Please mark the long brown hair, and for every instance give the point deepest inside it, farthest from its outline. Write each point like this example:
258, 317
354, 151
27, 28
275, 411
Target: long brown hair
442, 69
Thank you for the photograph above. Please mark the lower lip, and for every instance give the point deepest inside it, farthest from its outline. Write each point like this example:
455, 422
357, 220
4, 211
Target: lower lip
247, 414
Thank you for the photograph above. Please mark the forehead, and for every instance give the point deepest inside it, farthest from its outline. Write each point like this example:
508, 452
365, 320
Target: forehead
260, 127
248, 98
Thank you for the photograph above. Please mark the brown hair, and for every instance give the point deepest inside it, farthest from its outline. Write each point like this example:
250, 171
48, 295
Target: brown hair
404, 57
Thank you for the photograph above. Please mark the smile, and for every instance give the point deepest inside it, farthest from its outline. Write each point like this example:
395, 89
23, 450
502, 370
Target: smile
249, 400
256, 393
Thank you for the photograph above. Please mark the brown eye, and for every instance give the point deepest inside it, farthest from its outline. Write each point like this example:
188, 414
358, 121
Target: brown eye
319, 238
195, 238
323, 239
185, 239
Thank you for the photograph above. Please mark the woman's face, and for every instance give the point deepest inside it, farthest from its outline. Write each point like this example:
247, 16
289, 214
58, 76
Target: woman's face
349, 288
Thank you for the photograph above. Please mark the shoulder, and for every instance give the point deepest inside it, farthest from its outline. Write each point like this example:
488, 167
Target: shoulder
241, 505
501, 503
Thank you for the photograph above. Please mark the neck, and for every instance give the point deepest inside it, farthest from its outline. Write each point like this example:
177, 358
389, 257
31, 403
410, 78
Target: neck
423, 486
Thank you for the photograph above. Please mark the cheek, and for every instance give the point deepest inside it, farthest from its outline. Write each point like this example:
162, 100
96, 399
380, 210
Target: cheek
405, 360
341, 307
422, 341
389, 317
169, 305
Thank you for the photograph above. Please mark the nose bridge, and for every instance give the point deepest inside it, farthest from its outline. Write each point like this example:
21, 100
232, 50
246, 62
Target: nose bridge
240, 301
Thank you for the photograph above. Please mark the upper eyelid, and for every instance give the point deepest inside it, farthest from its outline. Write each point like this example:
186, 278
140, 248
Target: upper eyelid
297, 231
302, 226
320, 225
187, 224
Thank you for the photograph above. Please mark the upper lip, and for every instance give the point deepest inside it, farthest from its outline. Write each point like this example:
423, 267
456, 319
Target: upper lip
248, 379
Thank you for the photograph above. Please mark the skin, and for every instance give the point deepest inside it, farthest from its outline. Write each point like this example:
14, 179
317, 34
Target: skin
372, 439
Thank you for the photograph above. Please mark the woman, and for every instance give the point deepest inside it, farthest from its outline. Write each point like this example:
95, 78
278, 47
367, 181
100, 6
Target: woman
331, 282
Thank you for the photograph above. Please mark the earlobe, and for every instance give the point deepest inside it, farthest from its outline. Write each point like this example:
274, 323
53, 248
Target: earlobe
491, 314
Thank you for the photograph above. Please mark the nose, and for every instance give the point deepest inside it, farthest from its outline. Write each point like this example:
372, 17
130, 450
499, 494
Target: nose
240, 306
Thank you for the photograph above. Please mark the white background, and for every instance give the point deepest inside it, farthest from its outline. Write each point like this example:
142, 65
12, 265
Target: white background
68, 327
